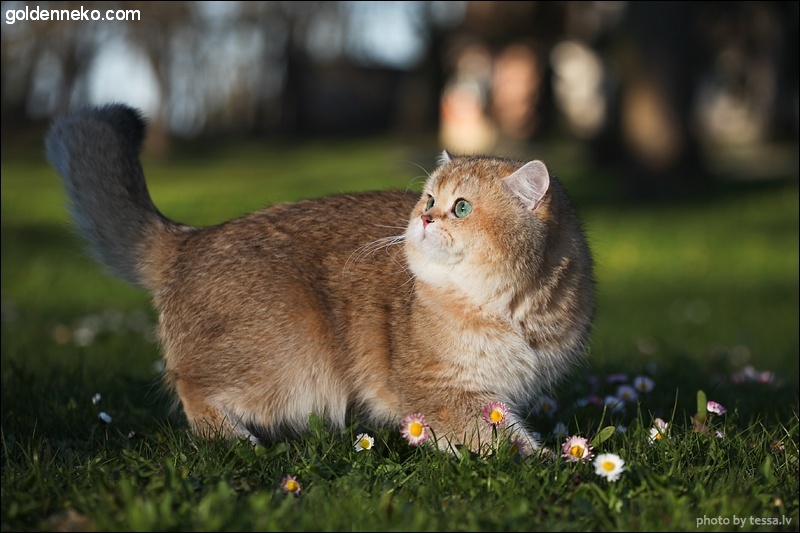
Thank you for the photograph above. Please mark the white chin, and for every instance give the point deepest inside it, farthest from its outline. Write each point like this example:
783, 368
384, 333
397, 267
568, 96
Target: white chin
431, 248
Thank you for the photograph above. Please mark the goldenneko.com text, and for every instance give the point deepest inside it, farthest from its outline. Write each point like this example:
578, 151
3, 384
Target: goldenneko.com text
76, 15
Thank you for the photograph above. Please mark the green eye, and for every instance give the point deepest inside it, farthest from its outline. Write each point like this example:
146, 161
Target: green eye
430, 203
462, 208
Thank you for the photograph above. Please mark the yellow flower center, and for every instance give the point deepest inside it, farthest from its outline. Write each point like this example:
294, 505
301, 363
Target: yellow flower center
576, 451
292, 485
496, 416
415, 429
364, 443
608, 466
657, 435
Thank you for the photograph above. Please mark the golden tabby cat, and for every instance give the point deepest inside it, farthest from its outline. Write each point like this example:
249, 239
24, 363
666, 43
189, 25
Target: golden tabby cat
377, 303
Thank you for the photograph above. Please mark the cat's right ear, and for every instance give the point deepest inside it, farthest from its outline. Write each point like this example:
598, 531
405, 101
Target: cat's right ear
529, 183
444, 158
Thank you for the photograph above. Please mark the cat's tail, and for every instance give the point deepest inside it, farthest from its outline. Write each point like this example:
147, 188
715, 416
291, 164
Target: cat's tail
96, 151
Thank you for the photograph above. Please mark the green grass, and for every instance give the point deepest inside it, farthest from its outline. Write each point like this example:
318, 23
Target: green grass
691, 292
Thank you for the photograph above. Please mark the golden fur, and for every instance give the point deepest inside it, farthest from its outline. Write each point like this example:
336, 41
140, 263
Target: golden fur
377, 303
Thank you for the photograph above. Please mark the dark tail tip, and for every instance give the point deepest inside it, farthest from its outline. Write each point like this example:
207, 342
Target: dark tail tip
128, 121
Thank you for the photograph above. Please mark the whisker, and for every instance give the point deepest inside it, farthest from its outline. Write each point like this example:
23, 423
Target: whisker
371, 248
390, 227
416, 179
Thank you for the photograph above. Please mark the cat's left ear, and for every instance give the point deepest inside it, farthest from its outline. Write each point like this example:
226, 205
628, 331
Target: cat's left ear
444, 158
529, 183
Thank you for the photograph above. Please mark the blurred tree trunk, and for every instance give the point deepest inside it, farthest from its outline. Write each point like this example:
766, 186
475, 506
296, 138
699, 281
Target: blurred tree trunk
649, 138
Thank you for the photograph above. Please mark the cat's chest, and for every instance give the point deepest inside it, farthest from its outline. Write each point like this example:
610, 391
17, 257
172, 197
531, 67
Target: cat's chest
496, 359
481, 351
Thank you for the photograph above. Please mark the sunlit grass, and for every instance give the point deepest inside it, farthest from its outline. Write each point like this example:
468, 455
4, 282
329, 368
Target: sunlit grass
691, 293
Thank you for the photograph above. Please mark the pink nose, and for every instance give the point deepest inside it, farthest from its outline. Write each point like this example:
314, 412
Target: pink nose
426, 219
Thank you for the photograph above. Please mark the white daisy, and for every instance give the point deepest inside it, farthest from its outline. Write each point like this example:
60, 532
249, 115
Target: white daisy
364, 442
609, 465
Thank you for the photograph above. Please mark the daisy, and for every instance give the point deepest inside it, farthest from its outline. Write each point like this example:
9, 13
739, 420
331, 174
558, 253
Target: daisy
609, 465
714, 407
289, 484
765, 377
614, 404
547, 405
659, 430
643, 383
560, 430
495, 413
594, 399
96, 398
626, 393
576, 449
617, 378
364, 442
104, 417
414, 428
521, 447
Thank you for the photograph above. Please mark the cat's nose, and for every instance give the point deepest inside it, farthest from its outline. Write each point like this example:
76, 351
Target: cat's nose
426, 219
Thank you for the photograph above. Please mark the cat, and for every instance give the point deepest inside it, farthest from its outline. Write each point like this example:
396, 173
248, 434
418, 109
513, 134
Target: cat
374, 304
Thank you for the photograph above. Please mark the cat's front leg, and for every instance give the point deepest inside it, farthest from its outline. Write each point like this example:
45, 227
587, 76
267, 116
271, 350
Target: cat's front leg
478, 424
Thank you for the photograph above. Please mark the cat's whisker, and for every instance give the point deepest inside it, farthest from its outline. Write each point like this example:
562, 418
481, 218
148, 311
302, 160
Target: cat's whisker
410, 282
401, 228
427, 174
370, 249
418, 179
414, 182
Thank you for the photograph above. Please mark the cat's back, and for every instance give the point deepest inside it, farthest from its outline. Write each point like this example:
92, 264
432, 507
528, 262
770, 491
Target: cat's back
306, 243
326, 224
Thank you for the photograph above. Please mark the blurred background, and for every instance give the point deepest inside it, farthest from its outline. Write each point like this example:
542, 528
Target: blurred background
674, 126
660, 94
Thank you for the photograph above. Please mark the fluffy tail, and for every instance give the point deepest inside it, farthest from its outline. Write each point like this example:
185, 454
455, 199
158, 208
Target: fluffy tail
96, 151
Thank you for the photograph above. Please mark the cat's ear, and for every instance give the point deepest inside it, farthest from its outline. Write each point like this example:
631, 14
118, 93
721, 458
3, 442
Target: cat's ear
529, 183
444, 158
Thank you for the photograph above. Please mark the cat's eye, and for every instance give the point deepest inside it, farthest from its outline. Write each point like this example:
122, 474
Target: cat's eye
462, 208
429, 205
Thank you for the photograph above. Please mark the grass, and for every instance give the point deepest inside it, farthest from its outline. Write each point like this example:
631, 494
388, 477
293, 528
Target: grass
699, 293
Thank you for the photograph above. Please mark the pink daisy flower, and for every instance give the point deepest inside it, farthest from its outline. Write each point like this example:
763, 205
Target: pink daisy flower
576, 449
714, 407
495, 413
289, 484
660, 430
414, 428
521, 447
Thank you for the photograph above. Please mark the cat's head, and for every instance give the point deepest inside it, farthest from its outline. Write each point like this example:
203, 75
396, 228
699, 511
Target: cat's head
479, 222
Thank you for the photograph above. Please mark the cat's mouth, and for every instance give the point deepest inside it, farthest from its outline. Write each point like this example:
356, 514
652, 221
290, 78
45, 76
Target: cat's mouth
434, 245
428, 230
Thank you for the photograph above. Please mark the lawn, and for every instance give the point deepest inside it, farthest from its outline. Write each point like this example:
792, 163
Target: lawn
698, 294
